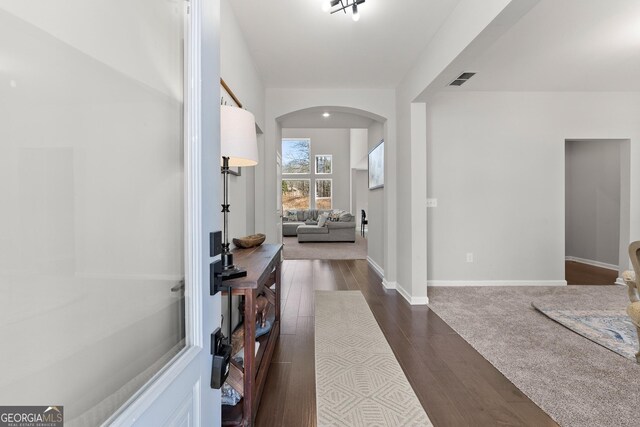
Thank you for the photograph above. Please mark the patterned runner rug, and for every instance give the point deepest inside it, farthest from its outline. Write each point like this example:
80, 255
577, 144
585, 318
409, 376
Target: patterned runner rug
358, 379
611, 329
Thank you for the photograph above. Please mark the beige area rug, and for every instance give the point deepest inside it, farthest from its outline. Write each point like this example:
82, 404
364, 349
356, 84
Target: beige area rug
576, 381
324, 250
358, 379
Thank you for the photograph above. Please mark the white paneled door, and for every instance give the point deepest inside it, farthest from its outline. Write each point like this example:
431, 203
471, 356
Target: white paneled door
181, 395
109, 137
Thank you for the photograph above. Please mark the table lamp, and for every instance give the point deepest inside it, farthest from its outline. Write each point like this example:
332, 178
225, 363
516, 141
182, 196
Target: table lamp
239, 147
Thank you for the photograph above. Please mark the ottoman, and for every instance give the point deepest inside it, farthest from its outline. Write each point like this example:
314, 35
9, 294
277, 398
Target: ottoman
312, 233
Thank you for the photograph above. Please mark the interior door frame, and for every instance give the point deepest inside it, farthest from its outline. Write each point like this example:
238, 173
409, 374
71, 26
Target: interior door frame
188, 373
279, 211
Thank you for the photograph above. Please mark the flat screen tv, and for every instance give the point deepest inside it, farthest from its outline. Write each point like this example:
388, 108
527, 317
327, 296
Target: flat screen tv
376, 167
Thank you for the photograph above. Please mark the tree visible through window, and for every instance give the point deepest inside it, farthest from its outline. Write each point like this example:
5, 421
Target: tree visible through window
296, 156
323, 193
323, 163
295, 194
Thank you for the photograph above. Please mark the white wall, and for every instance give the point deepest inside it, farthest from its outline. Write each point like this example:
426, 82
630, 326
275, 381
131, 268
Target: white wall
239, 71
592, 189
327, 141
359, 149
360, 191
469, 28
358, 145
375, 203
499, 178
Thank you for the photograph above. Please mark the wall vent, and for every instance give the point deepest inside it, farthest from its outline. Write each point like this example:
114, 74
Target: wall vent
462, 79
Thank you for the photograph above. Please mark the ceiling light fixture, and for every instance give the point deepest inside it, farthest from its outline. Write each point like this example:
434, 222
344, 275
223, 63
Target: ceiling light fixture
325, 115
356, 14
342, 5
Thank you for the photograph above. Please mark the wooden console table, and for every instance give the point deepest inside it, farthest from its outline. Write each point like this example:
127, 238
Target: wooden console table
263, 277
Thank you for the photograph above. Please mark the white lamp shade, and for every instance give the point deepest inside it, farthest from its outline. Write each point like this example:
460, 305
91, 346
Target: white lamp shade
238, 136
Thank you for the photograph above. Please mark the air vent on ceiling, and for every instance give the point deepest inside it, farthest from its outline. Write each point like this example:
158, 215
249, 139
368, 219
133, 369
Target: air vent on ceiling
462, 79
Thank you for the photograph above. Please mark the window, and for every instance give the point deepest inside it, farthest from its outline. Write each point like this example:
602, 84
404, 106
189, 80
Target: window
323, 193
295, 194
296, 156
323, 164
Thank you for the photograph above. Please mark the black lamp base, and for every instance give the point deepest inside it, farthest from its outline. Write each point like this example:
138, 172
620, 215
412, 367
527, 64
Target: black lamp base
230, 271
233, 273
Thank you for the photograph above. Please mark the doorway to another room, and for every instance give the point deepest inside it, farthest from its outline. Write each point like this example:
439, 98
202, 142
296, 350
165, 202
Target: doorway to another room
324, 183
596, 210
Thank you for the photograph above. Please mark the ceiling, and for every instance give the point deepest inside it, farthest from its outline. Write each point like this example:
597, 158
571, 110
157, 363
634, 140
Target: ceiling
567, 45
295, 44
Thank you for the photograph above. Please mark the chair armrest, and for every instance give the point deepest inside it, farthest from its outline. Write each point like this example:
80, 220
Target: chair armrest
629, 278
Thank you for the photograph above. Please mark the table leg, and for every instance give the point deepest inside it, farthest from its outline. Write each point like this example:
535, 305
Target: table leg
249, 354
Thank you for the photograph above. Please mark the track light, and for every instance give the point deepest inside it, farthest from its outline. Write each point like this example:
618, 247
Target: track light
356, 14
343, 5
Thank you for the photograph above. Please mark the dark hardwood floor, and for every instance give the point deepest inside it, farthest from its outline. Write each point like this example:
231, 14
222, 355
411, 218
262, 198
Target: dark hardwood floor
577, 273
454, 383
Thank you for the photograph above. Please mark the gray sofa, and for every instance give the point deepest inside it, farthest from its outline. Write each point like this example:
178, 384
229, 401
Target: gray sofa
302, 217
304, 224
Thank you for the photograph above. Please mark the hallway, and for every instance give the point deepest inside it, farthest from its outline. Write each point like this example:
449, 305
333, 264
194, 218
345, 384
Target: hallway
454, 383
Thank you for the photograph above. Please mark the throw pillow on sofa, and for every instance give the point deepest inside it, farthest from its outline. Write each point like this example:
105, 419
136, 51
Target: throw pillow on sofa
345, 217
335, 215
292, 216
322, 220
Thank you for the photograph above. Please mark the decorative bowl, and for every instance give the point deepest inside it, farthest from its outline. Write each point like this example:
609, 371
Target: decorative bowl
249, 241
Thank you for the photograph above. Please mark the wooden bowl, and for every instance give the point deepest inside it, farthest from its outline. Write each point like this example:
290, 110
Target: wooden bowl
249, 241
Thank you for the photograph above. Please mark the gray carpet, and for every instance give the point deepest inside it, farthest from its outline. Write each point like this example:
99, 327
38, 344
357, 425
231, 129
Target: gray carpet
577, 382
359, 382
324, 250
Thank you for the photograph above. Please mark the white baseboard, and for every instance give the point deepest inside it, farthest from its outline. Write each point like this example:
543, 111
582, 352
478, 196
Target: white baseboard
411, 300
592, 262
389, 285
379, 270
496, 283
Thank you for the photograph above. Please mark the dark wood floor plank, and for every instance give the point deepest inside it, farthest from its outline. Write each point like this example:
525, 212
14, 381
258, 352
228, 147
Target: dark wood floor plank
288, 273
337, 275
300, 400
323, 278
305, 280
530, 412
271, 410
577, 273
291, 306
283, 353
454, 383
484, 396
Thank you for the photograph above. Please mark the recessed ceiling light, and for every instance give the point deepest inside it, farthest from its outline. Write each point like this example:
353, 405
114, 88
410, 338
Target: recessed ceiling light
325, 115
